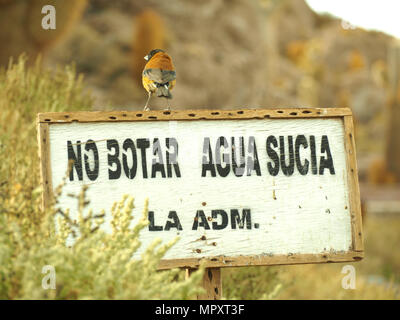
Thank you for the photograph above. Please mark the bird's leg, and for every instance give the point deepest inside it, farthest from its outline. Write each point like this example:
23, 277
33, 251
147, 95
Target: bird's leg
168, 105
146, 108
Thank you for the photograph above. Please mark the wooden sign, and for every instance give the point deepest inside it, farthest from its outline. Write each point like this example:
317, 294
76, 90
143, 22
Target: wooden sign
239, 187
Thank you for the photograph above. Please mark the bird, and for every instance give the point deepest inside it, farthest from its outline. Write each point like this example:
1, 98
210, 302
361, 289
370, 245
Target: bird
159, 76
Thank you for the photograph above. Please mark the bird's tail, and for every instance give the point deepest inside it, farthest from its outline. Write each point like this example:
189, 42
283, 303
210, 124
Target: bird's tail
162, 90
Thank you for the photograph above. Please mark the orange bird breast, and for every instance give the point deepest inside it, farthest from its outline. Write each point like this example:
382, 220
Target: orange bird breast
159, 62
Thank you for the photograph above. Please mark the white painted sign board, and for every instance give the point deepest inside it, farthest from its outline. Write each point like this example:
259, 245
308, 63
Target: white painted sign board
248, 187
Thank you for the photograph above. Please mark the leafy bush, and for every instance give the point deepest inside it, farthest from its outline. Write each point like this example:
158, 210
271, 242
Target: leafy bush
23, 93
97, 265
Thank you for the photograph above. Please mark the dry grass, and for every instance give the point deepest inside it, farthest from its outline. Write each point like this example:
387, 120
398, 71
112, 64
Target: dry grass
97, 265
377, 276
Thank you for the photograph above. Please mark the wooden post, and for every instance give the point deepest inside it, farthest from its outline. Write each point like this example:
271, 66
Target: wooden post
212, 283
392, 155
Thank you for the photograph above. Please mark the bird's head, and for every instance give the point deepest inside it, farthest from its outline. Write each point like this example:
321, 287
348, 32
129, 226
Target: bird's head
152, 53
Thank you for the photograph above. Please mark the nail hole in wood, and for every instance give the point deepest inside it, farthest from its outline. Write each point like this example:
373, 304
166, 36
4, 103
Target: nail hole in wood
279, 111
209, 275
124, 114
192, 115
47, 120
293, 113
215, 113
152, 117
113, 118
216, 290
306, 111
198, 250
240, 112
66, 116
167, 112
139, 115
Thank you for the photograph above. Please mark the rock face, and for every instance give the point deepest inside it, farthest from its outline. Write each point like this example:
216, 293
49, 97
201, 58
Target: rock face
218, 47
220, 53
337, 67
233, 54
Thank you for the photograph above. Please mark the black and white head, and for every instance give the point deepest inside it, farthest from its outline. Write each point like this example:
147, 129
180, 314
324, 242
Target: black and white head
152, 53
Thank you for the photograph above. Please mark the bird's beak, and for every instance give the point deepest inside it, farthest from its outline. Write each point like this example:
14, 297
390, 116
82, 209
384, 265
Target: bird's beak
146, 58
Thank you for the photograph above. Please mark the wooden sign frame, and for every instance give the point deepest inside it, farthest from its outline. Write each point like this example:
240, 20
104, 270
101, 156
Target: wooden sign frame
355, 253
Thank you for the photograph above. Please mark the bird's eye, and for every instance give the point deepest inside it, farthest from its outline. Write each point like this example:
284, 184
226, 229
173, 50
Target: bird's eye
146, 58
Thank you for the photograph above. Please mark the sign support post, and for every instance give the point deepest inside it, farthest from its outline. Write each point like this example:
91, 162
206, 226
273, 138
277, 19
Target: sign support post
212, 283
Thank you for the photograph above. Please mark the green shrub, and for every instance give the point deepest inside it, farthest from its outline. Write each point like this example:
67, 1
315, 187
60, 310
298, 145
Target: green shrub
97, 265
23, 93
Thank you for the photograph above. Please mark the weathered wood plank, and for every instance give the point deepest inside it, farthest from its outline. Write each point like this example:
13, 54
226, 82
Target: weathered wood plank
203, 114
263, 260
354, 189
45, 167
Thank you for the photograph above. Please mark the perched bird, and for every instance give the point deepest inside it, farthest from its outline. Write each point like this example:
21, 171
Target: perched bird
158, 75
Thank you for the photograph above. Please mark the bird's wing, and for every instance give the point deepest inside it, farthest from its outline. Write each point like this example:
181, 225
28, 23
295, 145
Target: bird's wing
160, 76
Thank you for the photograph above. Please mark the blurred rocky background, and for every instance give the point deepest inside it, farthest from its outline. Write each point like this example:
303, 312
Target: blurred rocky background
227, 53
